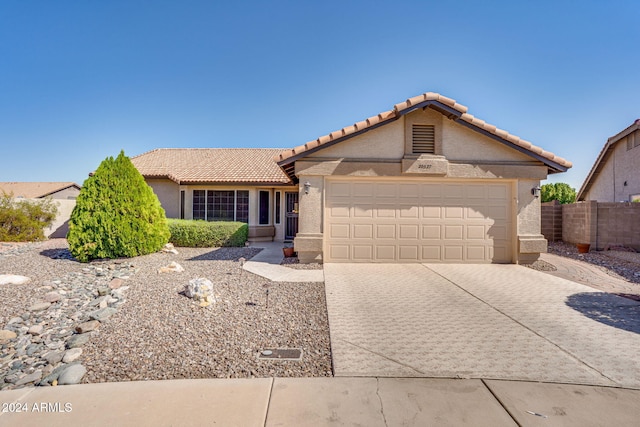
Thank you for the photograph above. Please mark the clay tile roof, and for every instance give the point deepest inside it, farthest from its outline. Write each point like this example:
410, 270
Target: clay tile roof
212, 165
34, 190
439, 102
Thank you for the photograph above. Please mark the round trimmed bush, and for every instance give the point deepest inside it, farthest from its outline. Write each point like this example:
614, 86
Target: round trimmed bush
116, 214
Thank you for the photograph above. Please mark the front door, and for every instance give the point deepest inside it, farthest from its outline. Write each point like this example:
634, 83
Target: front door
291, 215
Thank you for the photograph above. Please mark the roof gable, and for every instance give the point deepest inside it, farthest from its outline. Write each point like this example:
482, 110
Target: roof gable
604, 155
212, 165
35, 190
446, 106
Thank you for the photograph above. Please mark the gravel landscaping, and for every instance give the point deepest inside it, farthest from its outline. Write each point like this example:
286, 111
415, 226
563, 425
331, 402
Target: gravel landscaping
154, 331
623, 264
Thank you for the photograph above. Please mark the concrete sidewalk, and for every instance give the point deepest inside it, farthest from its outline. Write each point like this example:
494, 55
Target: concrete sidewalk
321, 402
267, 264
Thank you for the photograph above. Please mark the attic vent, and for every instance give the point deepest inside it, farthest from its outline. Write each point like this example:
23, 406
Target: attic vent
424, 139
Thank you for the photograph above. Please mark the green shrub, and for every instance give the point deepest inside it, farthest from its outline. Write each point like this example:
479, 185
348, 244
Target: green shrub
559, 191
206, 234
116, 214
25, 220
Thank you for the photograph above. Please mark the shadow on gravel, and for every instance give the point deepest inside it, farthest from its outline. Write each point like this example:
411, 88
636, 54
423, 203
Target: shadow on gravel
57, 253
610, 309
226, 254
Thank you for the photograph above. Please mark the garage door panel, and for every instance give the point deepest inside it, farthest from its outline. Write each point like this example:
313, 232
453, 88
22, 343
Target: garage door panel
476, 253
431, 212
385, 211
431, 232
340, 252
363, 231
453, 253
339, 231
386, 190
408, 253
476, 232
409, 231
385, 253
453, 232
373, 220
339, 211
409, 212
386, 231
431, 253
453, 212
363, 252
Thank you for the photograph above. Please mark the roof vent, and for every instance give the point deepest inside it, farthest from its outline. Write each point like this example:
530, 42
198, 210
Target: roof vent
423, 139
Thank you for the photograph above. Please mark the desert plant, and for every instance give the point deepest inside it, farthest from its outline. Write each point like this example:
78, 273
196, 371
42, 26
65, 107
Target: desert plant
116, 214
559, 191
206, 234
25, 220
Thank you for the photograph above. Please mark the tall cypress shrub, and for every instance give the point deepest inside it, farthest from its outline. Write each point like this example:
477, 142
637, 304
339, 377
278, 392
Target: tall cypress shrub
116, 214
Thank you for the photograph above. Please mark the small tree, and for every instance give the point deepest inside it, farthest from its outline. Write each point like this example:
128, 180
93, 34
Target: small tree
559, 191
25, 220
116, 214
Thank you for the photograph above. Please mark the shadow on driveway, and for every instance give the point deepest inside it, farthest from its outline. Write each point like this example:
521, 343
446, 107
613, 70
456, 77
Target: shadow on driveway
610, 309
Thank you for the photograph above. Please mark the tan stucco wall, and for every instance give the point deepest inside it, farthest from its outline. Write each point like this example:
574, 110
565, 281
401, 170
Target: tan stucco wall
385, 142
169, 195
461, 143
622, 165
66, 194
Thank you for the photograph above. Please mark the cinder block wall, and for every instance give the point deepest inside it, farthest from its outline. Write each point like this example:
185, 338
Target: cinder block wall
602, 224
618, 224
576, 223
551, 220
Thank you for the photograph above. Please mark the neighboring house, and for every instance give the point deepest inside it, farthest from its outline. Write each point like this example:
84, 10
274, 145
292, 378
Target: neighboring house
615, 176
423, 182
64, 194
39, 190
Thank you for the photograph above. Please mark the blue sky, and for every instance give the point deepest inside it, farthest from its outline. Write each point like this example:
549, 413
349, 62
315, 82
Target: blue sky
81, 80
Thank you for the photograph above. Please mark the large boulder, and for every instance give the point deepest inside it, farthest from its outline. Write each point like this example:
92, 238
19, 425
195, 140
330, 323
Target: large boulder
200, 290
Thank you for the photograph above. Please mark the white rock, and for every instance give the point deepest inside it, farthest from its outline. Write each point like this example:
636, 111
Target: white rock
200, 290
72, 355
12, 279
174, 267
35, 330
169, 248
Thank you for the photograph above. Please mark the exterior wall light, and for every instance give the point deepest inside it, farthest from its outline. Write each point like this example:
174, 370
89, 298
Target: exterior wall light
535, 191
307, 186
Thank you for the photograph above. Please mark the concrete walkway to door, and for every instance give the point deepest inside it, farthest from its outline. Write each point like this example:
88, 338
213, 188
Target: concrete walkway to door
479, 321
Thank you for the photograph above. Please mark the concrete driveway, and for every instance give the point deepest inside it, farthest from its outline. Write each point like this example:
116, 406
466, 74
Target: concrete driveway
479, 321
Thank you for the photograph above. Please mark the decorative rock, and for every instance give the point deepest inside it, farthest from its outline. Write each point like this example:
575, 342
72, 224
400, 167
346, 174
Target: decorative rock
40, 306
54, 357
7, 335
52, 297
77, 341
72, 375
15, 320
12, 279
116, 283
36, 376
71, 355
174, 267
35, 330
169, 248
87, 326
103, 291
200, 290
102, 314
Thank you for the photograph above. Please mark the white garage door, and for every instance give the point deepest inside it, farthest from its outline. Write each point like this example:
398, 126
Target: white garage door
417, 221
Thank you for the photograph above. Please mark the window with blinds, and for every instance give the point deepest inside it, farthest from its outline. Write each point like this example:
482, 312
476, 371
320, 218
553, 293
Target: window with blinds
423, 139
